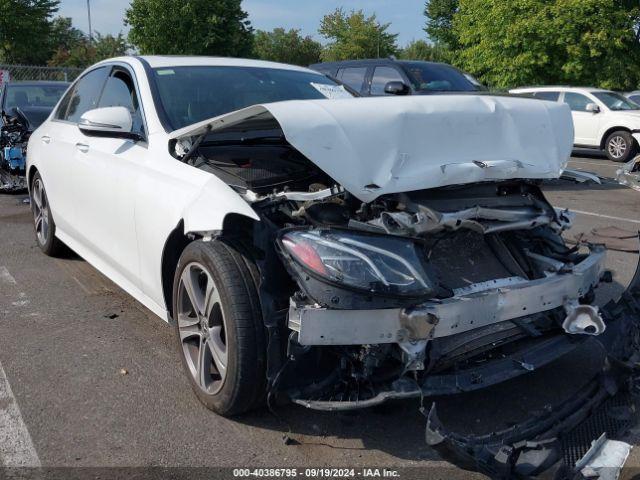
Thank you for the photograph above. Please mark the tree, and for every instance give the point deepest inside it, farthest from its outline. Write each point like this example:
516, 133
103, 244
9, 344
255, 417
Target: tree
439, 25
422, 50
64, 35
286, 47
85, 53
189, 27
520, 42
355, 36
24, 28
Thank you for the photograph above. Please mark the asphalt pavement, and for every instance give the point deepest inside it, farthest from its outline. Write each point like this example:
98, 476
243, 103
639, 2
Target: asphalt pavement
90, 378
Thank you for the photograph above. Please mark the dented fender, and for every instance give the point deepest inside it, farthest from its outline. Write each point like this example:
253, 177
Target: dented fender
206, 212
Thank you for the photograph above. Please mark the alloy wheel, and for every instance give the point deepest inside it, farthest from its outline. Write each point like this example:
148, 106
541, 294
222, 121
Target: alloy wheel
40, 212
617, 146
202, 329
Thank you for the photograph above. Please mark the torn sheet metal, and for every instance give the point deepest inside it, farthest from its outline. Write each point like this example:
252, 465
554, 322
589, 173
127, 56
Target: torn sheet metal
604, 460
374, 146
629, 174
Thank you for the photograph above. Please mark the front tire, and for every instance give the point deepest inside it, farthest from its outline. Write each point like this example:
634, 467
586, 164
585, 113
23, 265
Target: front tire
620, 146
44, 226
219, 328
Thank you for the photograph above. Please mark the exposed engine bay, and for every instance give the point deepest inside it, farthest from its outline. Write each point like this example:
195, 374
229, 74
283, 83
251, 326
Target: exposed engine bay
420, 294
14, 135
387, 299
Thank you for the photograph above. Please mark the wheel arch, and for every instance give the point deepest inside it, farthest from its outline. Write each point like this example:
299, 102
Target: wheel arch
30, 174
233, 225
609, 131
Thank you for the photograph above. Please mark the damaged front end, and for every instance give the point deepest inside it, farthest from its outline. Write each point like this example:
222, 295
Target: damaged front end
395, 273
14, 135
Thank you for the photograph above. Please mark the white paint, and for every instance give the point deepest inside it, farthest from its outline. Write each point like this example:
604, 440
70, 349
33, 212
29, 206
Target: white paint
16, 447
6, 277
379, 145
610, 217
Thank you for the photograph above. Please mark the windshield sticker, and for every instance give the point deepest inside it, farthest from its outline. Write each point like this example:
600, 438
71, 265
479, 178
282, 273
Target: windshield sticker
166, 71
331, 91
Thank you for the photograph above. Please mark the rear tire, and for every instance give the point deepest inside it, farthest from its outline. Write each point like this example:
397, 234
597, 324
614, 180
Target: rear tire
219, 328
43, 224
620, 146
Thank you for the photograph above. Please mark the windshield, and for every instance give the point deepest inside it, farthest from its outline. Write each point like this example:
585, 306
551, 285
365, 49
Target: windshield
615, 101
191, 94
436, 77
24, 96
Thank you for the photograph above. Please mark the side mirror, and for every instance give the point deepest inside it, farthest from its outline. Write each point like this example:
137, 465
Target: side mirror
397, 88
112, 122
593, 108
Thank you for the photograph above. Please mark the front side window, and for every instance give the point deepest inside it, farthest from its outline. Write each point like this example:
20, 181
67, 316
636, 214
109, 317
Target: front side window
615, 101
192, 94
436, 77
551, 96
353, 77
84, 96
119, 91
382, 76
576, 101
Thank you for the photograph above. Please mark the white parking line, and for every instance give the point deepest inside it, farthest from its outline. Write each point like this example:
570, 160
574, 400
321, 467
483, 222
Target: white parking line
6, 277
16, 447
598, 164
610, 217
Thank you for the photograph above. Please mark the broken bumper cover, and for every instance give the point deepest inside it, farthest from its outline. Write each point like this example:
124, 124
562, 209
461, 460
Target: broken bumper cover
539, 444
490, 373
476, 306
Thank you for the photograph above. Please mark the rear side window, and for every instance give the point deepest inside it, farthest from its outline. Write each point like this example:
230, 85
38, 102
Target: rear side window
382, 76
635, 98
353, 77
120, 91
551, 96
576, 101
83, 97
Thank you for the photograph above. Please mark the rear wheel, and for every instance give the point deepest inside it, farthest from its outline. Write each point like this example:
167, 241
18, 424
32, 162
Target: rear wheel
45, 227
620, 146
219, 327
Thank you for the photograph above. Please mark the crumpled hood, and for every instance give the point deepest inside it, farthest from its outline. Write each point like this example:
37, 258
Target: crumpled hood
374, 146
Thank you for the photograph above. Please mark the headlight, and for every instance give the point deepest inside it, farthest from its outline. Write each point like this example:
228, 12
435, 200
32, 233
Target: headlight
373, 263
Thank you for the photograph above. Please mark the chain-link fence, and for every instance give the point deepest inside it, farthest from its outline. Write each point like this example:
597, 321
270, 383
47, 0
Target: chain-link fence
32, 72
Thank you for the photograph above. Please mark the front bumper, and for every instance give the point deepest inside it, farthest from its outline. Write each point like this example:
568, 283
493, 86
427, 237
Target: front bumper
552, 440
476, 306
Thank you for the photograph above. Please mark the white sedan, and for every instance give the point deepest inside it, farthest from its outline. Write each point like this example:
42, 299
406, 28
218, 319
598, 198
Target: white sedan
338, 252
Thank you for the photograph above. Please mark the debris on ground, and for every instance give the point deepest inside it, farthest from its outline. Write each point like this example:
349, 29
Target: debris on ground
629, 174
613, 238
580, 176
124, 371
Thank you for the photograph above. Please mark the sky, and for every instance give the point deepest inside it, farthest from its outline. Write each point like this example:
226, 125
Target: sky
405, 16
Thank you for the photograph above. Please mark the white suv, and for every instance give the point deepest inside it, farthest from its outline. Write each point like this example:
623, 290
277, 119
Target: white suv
602, 119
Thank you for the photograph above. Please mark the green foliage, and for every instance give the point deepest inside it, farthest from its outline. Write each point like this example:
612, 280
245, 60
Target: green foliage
24, 28
522, 42
189, 27
64, 35
439, 25
286, 47
84, 53
354, 36
423, 50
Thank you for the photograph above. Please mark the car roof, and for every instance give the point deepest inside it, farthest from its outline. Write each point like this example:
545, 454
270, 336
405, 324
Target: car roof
372, 61
167, 61
557, 88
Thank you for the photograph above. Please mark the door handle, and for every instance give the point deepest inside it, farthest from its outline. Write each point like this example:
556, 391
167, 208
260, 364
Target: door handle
83, 147
46, 139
